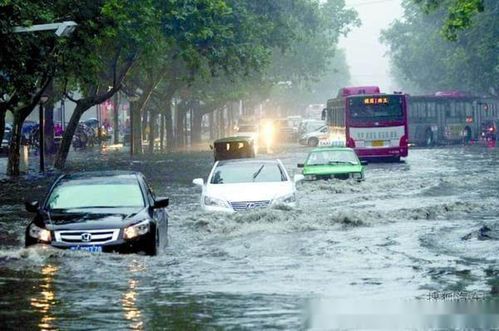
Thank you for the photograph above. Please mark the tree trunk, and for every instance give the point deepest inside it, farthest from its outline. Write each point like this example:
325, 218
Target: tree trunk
162, 132
67, 137
197, 119
170, 144
222, 123
49, 129
212, 125
136, 127
152, 130
179, 132
116, 123
15, 144
3, 113
144, 124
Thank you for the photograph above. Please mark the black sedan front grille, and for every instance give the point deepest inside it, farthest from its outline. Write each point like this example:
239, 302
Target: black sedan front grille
87, 236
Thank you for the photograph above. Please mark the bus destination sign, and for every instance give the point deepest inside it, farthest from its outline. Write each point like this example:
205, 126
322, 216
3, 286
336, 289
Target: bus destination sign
376, 101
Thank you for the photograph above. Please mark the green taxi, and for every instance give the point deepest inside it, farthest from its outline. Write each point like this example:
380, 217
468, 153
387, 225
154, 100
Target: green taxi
332, 162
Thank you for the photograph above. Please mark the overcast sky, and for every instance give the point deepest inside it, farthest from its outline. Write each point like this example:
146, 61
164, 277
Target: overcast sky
365, 54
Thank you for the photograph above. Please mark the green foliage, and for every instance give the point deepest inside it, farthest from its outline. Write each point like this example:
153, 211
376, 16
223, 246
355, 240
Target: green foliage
424, 58
22, 55
312, 64
460, 16
292, 99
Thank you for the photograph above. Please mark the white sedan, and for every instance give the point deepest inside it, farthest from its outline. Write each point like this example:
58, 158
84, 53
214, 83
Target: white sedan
237, 185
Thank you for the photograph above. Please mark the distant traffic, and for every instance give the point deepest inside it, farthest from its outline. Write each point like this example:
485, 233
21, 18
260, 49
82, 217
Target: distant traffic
118, 212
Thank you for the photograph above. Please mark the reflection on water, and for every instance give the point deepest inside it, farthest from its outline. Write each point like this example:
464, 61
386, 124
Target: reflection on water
44, 301
129, 299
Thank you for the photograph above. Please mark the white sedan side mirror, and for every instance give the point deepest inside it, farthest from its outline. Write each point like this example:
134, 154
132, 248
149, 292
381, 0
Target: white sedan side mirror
298, 178
198, 181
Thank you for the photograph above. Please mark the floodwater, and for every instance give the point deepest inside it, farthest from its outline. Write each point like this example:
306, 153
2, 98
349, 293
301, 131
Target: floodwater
410, 232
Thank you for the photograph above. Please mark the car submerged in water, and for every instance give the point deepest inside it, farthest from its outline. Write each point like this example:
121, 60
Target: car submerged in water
332, 162
246, 184
100, 212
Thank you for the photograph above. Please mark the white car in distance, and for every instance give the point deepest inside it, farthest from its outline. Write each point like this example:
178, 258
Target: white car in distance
245, 184
313, 138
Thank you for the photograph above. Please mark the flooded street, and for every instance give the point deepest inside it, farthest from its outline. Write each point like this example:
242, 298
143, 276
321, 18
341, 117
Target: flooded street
412, 228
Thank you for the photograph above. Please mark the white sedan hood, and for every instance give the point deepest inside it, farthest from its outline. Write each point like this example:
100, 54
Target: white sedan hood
249, 191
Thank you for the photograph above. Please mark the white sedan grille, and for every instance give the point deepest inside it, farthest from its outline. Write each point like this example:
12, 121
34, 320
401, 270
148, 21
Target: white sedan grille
247, 205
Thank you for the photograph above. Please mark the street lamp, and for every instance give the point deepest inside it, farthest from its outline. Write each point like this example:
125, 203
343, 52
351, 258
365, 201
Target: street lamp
41, 128
62, 29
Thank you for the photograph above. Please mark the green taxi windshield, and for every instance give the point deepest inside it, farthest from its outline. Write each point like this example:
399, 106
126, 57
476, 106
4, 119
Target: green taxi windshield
331, 157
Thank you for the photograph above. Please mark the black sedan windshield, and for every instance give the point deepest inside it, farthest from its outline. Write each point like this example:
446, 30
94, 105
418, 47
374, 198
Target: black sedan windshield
77, 194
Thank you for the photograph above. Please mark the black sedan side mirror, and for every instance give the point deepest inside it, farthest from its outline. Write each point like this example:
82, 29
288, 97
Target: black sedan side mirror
300, 165
161, 203
31, 206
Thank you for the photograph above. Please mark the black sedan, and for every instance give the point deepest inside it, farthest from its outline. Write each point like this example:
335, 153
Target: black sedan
100, 212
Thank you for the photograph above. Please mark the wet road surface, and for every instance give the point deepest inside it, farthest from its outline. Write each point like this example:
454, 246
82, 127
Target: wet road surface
428, 224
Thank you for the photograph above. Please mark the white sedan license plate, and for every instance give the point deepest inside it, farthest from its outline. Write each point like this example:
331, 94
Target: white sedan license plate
91, 249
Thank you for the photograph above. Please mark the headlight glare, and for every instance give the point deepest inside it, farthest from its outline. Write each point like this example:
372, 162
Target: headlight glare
39, 233
138, 229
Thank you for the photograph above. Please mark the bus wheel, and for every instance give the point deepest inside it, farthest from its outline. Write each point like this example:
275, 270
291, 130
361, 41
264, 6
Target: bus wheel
312, 142
429, 141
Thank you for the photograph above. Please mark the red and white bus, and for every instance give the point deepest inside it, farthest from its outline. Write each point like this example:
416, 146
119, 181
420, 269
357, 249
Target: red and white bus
373, 123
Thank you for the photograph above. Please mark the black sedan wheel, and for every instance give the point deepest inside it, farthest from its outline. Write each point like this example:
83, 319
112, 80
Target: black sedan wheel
153, 245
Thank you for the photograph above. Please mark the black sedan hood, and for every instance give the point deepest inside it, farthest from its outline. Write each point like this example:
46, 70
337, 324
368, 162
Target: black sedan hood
94, 219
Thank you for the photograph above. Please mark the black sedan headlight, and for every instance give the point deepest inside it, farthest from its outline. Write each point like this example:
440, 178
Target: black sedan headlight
136, 230
39, 233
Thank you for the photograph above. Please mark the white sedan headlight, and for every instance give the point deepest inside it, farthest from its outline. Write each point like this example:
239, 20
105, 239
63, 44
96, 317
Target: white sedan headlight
215, 202
39, 233
286, 199
136, 230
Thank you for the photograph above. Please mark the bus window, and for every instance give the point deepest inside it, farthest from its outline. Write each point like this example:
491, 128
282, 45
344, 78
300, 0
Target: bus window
449, 110
460, 110
468, 109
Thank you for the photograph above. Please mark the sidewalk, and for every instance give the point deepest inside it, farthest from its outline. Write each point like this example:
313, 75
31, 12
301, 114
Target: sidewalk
30, 161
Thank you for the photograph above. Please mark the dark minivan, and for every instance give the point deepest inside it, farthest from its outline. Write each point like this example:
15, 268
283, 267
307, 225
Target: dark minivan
109, 211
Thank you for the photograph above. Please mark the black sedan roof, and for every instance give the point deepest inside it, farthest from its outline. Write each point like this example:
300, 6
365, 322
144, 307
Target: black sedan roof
97, 174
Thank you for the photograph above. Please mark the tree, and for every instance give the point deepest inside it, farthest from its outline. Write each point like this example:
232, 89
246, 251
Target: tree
105, 54
235, 45
460, 14
27, 62
423, 57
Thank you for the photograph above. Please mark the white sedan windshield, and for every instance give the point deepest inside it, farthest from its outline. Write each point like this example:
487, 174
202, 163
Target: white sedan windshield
248, 172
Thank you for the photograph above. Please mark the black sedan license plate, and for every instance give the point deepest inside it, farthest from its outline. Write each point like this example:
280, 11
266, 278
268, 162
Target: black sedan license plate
91, 249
